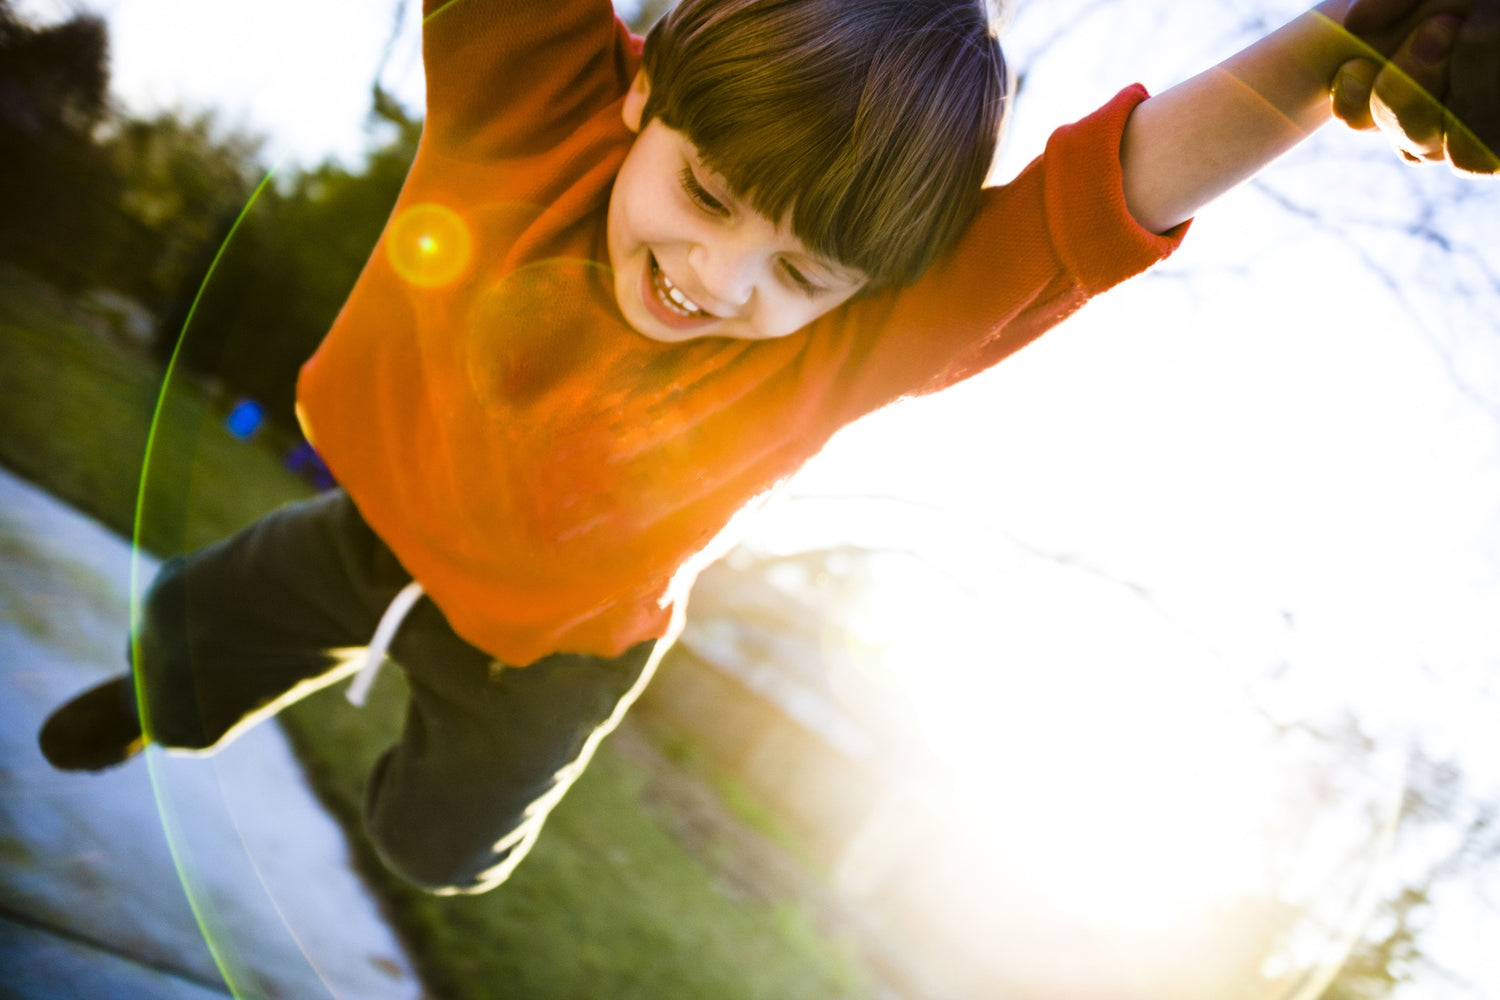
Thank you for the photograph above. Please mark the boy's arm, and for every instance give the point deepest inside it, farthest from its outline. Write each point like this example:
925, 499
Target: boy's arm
1188, 145
508, 79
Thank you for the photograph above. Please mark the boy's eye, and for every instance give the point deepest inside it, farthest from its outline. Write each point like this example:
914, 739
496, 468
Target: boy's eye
699, 195
803, 283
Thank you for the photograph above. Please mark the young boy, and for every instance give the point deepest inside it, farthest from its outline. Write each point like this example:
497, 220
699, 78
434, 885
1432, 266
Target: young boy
624, 292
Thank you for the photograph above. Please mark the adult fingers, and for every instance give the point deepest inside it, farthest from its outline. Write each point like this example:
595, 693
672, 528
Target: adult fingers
1469, 155
1366, 17
1387, 38
1406, 99
1352, 86
1474, 91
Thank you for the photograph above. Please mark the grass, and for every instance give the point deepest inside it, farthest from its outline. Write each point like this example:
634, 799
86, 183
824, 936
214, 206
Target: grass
77, 415
731, 791
607, 906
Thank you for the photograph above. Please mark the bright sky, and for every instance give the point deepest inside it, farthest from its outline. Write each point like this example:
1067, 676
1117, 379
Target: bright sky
298, 73
1289, 435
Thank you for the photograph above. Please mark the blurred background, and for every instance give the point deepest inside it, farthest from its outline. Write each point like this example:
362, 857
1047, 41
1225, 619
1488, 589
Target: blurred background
1159, 661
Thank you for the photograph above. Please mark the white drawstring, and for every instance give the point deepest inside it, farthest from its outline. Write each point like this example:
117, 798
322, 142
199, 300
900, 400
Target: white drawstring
359, 689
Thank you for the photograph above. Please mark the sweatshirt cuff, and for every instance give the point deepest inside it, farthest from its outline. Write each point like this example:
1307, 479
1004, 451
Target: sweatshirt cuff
1097, 238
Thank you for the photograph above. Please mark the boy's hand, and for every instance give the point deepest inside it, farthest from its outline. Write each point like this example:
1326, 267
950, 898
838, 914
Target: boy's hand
1438, 98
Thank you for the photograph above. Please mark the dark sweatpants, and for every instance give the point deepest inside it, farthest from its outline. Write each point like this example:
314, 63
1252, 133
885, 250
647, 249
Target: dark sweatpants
242, 628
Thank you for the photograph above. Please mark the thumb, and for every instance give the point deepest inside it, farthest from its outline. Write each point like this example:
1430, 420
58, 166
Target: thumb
1352, 86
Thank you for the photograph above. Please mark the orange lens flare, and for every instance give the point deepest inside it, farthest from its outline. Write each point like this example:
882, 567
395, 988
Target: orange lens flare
429, 245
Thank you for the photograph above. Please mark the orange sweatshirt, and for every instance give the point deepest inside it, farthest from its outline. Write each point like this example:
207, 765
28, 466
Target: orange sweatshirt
544, 470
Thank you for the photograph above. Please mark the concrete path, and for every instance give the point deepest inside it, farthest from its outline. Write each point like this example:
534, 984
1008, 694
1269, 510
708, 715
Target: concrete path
91, 902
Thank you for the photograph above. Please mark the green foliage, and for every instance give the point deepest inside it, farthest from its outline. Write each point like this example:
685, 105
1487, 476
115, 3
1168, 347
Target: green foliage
56, 191
283, 276
176, 180
77, 415
94, 198
55, 77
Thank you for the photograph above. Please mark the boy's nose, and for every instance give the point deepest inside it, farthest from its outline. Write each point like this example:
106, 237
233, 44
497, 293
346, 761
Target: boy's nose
726, 274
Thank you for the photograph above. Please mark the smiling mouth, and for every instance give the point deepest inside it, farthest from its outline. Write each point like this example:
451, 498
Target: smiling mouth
670, 296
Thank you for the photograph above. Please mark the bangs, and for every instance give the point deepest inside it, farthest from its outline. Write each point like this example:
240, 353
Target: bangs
871, 124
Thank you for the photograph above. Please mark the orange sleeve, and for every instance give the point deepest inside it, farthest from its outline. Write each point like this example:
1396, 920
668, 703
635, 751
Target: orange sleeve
508, 79
1037, 249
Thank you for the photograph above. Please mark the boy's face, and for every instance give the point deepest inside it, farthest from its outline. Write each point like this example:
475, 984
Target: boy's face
691, 260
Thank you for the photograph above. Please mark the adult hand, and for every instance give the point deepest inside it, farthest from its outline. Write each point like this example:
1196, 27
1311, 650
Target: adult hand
1438, 98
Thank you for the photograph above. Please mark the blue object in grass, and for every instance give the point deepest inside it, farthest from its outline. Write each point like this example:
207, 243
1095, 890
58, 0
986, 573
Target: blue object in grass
305, 462
245, 419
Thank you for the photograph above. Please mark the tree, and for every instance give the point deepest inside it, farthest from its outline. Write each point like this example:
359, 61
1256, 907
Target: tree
177, 180
53, 79
282, 268
56, 192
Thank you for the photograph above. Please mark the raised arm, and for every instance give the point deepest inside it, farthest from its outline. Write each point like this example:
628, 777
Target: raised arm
1188, 145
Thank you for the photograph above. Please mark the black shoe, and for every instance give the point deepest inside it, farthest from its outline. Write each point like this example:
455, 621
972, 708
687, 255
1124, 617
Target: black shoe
100, 728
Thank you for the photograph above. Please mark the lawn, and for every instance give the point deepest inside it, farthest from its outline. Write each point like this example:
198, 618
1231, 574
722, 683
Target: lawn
609, 905
77, 415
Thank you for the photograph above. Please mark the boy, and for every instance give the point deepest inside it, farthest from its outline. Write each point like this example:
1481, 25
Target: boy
624, 292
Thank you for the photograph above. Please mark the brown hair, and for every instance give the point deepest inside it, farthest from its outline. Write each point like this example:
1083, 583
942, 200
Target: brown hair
873, 122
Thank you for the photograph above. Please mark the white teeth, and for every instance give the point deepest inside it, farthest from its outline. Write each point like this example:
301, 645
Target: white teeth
671, 295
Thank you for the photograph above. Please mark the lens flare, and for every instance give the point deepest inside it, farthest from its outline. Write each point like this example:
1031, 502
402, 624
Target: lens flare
429, 245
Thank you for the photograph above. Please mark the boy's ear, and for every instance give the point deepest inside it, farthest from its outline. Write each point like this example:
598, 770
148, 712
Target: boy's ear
635, 101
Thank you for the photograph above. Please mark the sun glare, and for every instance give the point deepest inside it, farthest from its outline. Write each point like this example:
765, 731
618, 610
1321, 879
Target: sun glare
1089, 739
1112, 778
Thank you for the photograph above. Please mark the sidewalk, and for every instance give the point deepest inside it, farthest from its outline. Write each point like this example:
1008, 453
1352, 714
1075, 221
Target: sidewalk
91, 902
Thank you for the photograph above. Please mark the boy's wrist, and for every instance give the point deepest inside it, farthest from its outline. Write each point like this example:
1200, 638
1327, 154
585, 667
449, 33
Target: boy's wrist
1189, 144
